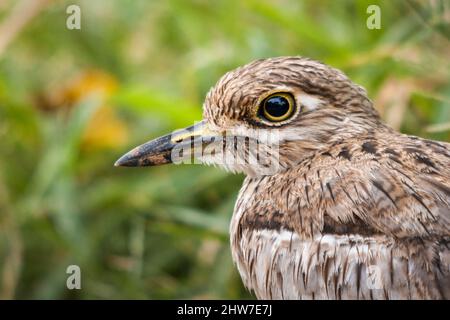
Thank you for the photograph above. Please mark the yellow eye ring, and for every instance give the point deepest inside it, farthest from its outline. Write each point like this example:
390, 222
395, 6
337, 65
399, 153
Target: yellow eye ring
277, 107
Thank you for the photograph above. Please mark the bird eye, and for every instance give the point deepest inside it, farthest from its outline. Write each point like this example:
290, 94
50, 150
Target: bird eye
277, 107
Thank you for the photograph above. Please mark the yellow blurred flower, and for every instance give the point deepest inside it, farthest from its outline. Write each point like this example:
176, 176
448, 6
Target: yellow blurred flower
89, 82
105, 129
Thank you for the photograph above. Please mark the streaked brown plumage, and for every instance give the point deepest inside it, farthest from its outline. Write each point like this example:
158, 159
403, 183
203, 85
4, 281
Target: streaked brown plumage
355, 210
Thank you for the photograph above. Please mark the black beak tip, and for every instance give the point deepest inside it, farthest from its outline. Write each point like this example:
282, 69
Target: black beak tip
118, 163
126, 161
152, 153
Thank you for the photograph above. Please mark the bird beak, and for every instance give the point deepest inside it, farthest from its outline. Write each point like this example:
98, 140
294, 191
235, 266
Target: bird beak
159, 151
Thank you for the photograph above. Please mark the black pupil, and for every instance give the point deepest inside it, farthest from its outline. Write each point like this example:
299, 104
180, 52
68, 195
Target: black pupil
277, 106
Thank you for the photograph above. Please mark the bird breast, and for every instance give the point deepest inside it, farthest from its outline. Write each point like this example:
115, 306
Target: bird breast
279, 263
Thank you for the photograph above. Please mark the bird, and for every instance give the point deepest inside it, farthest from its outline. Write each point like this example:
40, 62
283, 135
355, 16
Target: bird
335, 204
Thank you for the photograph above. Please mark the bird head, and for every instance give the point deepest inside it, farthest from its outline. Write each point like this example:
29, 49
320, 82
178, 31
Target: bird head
265, 117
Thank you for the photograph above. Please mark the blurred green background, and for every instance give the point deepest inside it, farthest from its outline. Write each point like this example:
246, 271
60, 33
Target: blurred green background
73, 101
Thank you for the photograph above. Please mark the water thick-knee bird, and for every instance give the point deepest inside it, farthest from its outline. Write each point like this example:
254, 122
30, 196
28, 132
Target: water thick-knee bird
335, 203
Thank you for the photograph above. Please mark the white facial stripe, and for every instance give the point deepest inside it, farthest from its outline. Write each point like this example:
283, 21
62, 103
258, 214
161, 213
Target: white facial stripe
273, 135
310, 102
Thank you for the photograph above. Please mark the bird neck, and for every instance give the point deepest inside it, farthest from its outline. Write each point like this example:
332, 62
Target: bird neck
294, 153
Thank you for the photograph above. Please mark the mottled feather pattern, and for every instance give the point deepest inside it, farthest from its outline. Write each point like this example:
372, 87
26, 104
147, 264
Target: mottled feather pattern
352, 197
404, 226
282, 266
